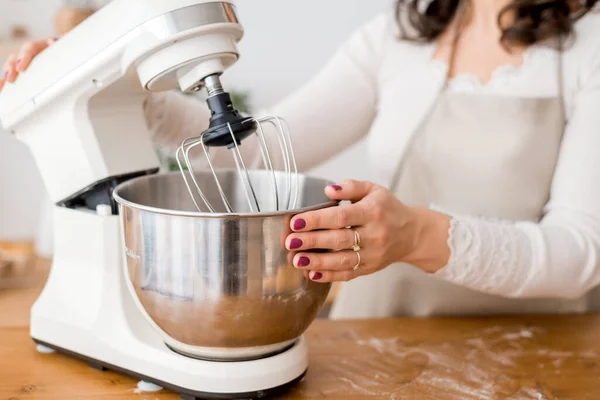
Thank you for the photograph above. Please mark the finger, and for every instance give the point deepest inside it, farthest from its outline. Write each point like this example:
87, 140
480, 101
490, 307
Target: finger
29, 52
338, 239
330, 218
2, 82
337, 261
349, 190
284, 236
332, 276
10, 72
290, 258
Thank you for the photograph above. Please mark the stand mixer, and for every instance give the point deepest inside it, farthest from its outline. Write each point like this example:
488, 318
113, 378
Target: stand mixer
79, 108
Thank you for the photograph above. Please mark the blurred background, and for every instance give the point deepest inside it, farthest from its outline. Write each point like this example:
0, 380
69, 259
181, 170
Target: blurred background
286, 43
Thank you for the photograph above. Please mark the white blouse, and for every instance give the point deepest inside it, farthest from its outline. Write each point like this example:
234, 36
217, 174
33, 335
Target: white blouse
381, 87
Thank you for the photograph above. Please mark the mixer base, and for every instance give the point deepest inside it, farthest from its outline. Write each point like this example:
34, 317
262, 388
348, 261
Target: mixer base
184, 393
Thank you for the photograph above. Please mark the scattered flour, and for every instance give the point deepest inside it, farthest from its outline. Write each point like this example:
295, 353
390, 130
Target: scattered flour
378, 344
518, 335
483, 366
358, 388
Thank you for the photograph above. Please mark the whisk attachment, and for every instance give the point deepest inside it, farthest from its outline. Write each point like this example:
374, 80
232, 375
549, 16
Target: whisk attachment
228, 128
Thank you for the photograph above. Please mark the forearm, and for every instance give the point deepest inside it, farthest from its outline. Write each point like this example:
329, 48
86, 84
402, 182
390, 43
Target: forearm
489, 256
327, 115
173, 117
431, 232
554, 258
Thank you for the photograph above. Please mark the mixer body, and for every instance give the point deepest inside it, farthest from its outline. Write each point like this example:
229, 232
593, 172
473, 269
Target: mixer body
79, 108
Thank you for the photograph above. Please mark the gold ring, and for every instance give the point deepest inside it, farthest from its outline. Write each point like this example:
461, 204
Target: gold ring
356, 246
358, 262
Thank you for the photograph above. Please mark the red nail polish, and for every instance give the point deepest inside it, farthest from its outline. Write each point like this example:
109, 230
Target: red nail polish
337, 188
317, 276
295, 244
303, 262
299, 224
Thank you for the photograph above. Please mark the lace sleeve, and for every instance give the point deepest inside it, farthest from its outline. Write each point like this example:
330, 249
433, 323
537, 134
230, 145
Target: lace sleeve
173, 117
490, 256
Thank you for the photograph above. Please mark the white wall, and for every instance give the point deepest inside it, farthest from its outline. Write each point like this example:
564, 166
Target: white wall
286, 42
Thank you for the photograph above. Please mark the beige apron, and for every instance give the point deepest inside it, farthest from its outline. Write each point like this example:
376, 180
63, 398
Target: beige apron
468, 154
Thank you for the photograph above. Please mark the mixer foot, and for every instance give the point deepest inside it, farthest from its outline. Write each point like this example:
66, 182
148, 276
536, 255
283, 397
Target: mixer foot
148, 387
44, 350
97, 366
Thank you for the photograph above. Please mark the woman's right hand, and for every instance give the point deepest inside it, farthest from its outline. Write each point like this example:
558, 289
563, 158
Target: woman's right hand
18, 63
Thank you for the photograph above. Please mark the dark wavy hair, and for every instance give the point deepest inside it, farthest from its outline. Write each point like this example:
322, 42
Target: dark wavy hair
534, 20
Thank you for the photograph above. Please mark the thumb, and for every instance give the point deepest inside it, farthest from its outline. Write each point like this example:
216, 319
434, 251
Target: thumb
349, 190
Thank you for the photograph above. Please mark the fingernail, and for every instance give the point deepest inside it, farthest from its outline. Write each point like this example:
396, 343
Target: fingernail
18, 63
317, 276
337, 188
299, 224
295, 244
6, 75
303, 262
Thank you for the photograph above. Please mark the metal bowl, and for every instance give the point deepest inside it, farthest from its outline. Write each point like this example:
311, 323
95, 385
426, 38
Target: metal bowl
218, 286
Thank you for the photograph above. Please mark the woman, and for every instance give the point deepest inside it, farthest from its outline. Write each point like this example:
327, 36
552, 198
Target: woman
483, 116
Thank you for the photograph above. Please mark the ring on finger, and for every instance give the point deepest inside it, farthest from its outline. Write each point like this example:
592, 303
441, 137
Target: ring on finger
357, 266
356, 246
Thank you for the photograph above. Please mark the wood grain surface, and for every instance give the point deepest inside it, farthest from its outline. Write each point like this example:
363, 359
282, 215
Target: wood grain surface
483, 358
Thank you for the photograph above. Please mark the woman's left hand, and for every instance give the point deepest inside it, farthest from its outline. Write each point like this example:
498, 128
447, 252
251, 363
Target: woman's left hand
388, 230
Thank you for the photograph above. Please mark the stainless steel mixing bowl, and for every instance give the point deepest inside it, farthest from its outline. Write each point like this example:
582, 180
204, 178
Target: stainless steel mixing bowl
218, 286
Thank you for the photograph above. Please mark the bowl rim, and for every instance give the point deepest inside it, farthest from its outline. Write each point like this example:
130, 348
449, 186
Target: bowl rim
155, 210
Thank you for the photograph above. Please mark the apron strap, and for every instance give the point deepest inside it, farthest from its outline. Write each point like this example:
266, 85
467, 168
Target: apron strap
561, 77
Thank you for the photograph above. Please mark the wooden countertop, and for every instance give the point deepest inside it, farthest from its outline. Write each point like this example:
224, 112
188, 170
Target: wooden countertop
462, 359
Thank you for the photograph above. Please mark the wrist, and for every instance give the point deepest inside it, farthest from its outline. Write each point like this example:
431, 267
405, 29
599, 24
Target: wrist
430, 251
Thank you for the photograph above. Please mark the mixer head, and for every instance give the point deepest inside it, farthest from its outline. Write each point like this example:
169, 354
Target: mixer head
228, 128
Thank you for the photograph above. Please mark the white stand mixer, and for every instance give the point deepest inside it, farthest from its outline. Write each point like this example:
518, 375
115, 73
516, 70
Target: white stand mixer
79, 107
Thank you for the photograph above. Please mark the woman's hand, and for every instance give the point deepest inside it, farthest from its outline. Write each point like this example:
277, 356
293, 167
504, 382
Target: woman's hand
18, 63
389, 232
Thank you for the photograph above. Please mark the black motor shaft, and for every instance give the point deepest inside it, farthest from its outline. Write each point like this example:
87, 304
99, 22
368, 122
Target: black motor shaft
227, 126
